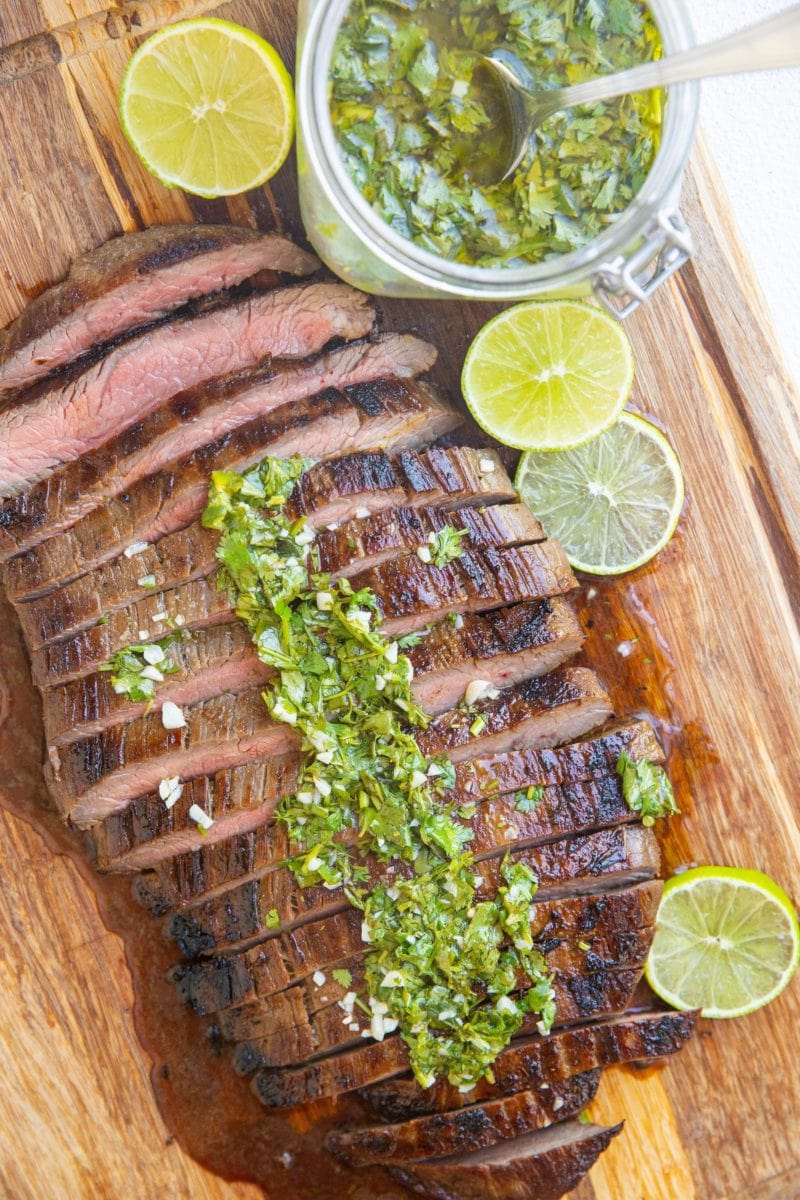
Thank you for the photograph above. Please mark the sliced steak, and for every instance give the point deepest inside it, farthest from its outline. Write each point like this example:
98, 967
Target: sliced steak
408, 589
250, 791
147, 832
616, 857
213, 985
544, 711
285, 1034
190, 553
199, 602
569, 959
131, 281
526, 1063
546, 1164
364, 542
190, 420
56, 422
361, 416
220, 658
467, 1129
530, 1062
581, 760
503, 647
447, 477
99, 775
527, 573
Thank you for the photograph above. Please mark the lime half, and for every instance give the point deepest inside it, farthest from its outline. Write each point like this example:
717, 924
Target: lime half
549, 375
727, 942
614, 502
208, 107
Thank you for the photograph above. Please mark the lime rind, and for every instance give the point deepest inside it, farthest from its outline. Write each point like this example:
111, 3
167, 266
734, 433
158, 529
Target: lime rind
159, 92
548, 375
687, 967
636, 478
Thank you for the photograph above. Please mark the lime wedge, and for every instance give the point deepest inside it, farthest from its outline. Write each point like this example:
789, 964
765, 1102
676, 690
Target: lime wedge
548, 376
614, 502
208, 107
727, 942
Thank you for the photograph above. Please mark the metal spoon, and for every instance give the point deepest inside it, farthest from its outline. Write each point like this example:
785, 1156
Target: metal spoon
771, 43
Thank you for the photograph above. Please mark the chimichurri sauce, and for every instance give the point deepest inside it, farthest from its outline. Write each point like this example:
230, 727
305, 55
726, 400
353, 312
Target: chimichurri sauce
416, 122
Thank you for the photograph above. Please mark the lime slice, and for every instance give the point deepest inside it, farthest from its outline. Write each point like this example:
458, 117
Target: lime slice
548, 376
614, 502
208, 107
727, 942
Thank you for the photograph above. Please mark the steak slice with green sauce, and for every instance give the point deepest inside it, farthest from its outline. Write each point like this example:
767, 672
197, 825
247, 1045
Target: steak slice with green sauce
237, 917
502, 647
526, 573
284, 1033
364, 542
190, 553
526, 1063
216, 984
147, 833
131, 281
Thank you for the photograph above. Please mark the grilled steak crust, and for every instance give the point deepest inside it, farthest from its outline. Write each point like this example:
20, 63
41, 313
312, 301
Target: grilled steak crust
212, 985
146, 832
466, 1129
56, 422
504, 646
578, 761
251, 791
100, 775
526, 1063
190, 553
544, 711
366, 542
196, 416
131, 281
616, 857
221, 658
287, 1034
545, 1164
409, 413
446, 477
407, 589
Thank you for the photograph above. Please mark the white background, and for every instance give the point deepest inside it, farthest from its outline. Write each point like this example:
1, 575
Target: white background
752, 124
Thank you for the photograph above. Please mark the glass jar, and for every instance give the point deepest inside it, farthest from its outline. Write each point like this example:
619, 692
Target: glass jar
641, 248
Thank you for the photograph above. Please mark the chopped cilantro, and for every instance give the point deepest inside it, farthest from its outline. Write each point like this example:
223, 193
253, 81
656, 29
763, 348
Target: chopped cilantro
646, 788
272, 920
342, 977
414, 120
367, 790
446, 545
527, 799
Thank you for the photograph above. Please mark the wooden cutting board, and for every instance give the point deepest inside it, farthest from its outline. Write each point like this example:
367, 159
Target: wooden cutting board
716, 661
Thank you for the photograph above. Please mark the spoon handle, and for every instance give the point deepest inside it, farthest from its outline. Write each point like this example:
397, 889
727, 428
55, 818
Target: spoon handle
774, 42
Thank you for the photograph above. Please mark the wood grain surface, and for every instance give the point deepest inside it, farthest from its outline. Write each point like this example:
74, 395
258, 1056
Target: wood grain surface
716, 662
